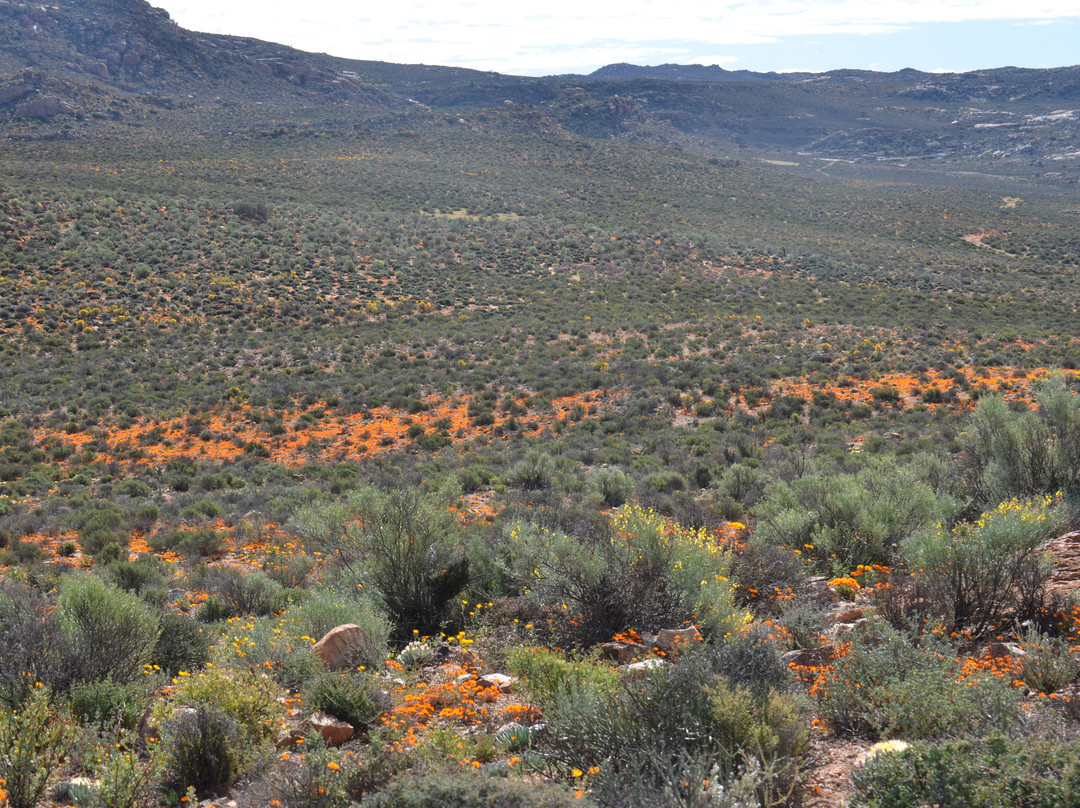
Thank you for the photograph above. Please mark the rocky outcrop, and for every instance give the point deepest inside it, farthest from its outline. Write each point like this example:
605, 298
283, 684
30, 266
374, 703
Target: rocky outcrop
1065, 552
44, 108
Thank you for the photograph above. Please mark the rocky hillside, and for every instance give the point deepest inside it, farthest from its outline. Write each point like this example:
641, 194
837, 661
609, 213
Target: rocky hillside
73, 59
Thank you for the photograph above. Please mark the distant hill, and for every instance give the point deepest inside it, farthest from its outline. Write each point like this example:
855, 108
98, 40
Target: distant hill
625, 72
70, 61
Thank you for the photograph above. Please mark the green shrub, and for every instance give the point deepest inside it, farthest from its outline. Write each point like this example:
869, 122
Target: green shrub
104, 632
346, 696
885, 686
27, 628
640, 571
290, 570
34, 740
843, 520
23, 552
457, 790
994, 772
205, 750
1047, 664
128, 771
312, 777
182, 646
145, 574
1026, 454
749, 659
657, 738
611, 486
980, 573
547, 675
203, 542
404, 548
108, 703
248, 699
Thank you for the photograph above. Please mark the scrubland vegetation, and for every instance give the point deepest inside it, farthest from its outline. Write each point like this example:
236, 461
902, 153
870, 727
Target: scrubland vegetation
500, 396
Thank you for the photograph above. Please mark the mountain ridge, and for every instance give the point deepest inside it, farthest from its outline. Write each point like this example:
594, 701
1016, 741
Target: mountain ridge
70, 61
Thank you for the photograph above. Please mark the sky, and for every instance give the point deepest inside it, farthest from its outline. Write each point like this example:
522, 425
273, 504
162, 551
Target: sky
578, 36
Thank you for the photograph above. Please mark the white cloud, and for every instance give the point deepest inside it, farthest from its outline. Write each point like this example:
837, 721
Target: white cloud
509, 37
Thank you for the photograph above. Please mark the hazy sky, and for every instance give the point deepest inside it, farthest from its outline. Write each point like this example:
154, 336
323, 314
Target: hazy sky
577, 36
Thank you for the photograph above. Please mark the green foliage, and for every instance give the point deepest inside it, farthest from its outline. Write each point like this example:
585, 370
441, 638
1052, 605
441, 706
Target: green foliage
312, 777
848, 519
205, 750
402, 546
346, 696
243, 593
641, 571
884, 686
611, 486
1026, 454
27, 627
246, 698
993, 772
203, 542
146, 577
1047, 664
128, 771
979, 573
456, 790
549, 677
34, 740
674, 720
182, 646
104, 632
108, 703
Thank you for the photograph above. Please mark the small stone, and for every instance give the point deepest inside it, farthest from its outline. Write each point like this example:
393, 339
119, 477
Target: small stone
382, 701
639, 670
670, 640
287, 740
1003, 650
504, 683
849, 616
334, 732
808, 657
622, 652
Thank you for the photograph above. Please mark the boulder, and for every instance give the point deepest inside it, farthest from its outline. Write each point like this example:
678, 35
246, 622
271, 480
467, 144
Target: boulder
43, 108
334, 732
341, 646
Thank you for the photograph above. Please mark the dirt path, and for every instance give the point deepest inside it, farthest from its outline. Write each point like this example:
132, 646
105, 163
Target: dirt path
977, 240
